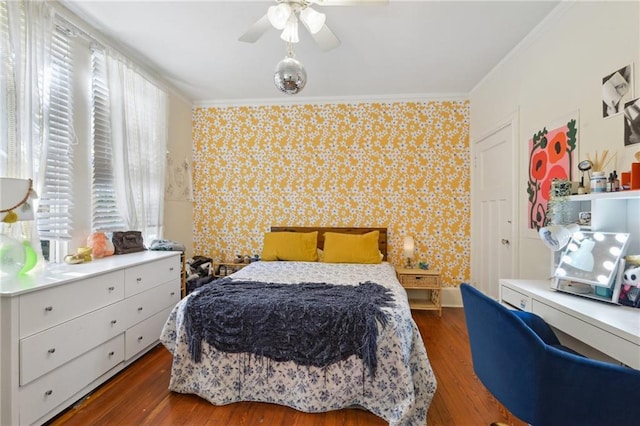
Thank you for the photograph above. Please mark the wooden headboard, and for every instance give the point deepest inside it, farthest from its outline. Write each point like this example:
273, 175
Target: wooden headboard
382, 238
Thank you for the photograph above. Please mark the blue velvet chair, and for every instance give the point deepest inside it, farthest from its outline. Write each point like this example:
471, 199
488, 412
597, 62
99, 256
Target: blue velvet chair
520, 361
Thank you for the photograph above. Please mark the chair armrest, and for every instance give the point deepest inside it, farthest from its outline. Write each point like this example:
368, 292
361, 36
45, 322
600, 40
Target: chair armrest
539, 326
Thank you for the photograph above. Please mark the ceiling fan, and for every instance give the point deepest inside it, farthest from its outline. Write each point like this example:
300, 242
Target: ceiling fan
286, 15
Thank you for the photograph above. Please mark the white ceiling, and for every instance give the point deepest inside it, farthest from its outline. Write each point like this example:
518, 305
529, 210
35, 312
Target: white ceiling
399, 49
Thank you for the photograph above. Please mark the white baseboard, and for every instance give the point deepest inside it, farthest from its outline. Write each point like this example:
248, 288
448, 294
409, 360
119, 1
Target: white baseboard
451, 297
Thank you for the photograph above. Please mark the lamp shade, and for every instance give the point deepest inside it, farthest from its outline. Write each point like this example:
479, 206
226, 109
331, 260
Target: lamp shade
555, 237
279, 15
408, 247
313, 20
290, 32
15, 195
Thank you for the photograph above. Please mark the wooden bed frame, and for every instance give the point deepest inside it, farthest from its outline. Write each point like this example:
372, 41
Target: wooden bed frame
382, 238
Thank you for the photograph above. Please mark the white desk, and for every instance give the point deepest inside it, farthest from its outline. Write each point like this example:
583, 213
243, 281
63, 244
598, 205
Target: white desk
611, 329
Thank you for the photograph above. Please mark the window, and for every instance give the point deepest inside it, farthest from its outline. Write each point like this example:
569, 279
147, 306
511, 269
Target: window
94, 169
56, 197
104, 210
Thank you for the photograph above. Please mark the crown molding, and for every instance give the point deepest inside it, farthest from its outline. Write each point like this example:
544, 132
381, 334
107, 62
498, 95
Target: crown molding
420, 97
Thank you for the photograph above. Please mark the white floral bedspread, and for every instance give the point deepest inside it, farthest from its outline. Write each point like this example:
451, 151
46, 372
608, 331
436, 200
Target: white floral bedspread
400, 392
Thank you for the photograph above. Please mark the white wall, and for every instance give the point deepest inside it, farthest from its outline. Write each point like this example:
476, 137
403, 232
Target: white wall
558, 69
178, 215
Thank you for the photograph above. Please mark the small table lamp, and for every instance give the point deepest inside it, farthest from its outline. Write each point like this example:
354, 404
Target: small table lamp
408, 248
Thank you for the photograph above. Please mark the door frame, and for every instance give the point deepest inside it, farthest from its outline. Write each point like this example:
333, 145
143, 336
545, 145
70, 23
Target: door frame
513, 121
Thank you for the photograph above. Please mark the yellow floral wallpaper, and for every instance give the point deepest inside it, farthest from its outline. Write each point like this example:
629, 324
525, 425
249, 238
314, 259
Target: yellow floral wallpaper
401, 165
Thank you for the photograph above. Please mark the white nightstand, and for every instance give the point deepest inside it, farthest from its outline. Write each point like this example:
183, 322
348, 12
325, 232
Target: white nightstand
423, 287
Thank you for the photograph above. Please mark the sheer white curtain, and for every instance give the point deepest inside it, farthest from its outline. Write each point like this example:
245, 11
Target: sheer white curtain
139, 134
24, 98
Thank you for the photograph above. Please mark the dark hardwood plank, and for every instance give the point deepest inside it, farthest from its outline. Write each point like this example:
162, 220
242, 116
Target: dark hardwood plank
139, 395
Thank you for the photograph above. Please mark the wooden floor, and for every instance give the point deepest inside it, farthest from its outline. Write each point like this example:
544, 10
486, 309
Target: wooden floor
139, 394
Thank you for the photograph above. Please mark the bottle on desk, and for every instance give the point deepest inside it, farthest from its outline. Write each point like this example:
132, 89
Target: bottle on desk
598, 182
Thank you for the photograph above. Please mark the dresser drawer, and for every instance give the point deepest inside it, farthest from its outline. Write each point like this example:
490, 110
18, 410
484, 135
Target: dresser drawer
143, 305
143, 277
47, 308
515, 299
145, 333
42, 352
418, 281
43, 395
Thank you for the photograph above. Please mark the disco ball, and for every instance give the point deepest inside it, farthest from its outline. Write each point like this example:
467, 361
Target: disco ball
290, 76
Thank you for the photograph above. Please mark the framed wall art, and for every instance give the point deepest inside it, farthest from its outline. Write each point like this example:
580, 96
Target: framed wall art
617, 90
551, 156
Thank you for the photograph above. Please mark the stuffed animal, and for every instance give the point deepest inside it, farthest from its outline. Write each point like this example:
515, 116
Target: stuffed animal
630, 291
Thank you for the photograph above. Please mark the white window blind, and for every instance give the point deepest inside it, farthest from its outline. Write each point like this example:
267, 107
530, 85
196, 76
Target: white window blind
105, 216
56, 200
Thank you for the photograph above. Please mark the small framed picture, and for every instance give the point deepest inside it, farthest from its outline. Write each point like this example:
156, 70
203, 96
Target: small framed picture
632, 122
617, 89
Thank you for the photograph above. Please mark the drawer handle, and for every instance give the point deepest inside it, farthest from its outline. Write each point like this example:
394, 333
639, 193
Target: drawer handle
48, 308
112, 353
140, 339
417, 278
140, 309
171, 269
172, 293
113, 322
111, 288
138, 279
52, 350
48, 393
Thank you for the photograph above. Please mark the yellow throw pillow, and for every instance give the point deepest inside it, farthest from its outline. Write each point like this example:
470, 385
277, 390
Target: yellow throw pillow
351, 248
293, 246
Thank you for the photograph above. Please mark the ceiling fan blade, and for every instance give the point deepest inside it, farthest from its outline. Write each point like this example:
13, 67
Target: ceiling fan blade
256, 30
326, 39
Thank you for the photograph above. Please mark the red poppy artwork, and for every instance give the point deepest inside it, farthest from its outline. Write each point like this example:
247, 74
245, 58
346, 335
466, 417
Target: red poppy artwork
550, 157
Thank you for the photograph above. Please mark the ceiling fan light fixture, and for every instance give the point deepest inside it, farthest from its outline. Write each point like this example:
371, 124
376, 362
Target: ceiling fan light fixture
290, 76
290, 32
279, 15
313, 20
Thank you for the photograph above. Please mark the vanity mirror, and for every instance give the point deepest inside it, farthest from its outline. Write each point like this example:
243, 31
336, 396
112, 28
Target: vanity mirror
590, 263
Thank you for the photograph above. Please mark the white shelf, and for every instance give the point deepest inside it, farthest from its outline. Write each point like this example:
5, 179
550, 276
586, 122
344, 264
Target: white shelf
618, 195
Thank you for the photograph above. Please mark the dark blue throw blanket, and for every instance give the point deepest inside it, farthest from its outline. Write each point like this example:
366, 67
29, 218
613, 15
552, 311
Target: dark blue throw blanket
312, 324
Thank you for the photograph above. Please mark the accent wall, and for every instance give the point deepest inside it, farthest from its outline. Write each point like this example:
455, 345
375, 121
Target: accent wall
400, 165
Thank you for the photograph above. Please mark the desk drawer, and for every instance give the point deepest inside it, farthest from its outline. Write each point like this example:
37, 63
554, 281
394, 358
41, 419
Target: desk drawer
515, 299
604, 341
44, 309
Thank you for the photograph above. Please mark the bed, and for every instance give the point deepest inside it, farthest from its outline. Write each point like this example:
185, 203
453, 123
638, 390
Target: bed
397, 386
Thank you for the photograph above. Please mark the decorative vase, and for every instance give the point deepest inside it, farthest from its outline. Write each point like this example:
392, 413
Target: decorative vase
12, 255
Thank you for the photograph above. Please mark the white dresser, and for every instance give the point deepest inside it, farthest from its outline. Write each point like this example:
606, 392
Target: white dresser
69, 328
